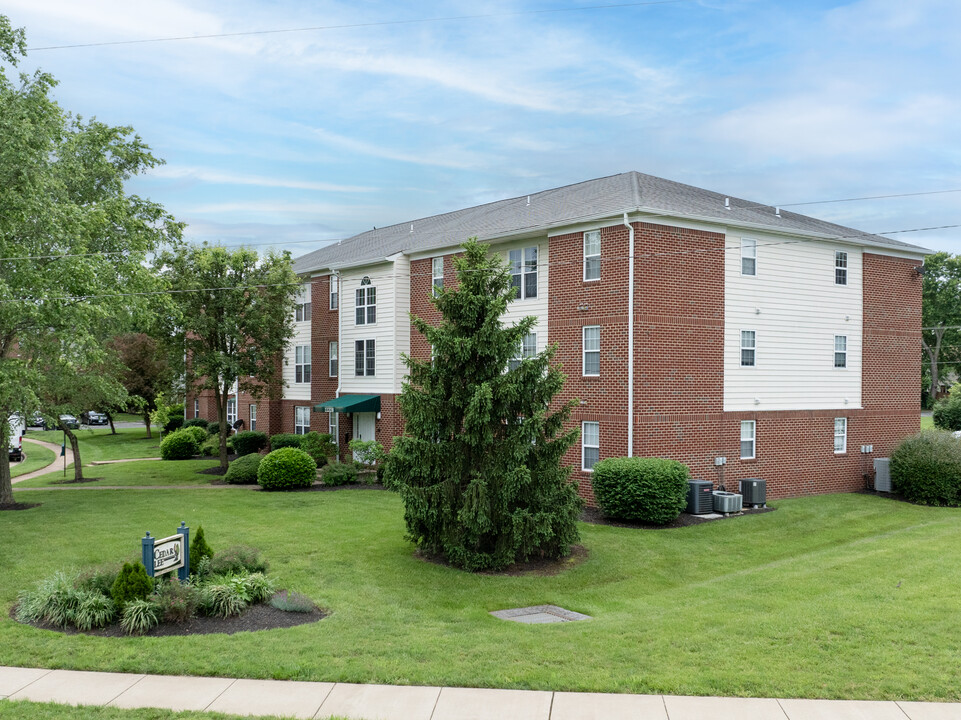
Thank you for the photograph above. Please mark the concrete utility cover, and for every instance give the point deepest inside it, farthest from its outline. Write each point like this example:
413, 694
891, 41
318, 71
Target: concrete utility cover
539, 614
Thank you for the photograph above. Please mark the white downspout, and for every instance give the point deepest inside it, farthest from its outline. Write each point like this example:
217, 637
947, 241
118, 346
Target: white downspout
630, 338
340, 347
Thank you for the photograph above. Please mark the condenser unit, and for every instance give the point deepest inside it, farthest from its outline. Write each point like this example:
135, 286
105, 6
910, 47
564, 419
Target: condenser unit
699, 499
727, 502
882, 474
754, 491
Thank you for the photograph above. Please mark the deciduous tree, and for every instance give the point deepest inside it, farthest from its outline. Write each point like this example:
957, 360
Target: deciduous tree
143, 370
941, 315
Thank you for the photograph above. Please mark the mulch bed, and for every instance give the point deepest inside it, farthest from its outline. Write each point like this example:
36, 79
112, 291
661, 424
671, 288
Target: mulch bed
19, 506
595, 517
74, 481
216, 469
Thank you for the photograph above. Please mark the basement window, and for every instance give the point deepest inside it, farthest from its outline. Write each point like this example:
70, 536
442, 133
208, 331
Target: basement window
590, 445
840, 435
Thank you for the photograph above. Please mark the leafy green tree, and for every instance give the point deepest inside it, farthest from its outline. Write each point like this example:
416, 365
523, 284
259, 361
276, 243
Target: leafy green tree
479, 468
143, 370
941, 315
73, 243
234, 317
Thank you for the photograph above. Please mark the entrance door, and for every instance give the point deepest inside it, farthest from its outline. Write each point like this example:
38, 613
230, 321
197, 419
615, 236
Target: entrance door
364, 424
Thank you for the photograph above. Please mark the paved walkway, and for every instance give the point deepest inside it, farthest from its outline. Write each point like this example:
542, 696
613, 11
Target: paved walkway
57, 463
398, 702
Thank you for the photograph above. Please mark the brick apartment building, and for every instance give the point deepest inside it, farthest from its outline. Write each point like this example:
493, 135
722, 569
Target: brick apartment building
690, 325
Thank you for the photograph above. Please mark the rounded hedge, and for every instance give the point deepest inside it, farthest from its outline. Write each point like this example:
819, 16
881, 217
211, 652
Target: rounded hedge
285, 440
338, 473
196, 422
179, 445
947, 412
243, 470
650, 490
199, 434
926, 469
249, 441
285, 469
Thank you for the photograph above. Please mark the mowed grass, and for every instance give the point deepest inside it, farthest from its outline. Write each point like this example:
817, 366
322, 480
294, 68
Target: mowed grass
133, 473
927, 422
35, 458
25, 710
99, 444
843, 596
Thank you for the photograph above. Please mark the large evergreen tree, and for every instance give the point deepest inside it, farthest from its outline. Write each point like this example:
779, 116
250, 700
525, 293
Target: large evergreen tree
479, 467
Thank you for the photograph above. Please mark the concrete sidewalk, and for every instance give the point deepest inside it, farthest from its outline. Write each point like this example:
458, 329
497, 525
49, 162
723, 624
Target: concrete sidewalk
390, 702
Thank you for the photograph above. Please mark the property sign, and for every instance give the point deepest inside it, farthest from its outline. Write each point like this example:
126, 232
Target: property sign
168, 554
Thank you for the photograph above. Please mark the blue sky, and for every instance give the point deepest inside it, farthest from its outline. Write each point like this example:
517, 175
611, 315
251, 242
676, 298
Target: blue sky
301, 138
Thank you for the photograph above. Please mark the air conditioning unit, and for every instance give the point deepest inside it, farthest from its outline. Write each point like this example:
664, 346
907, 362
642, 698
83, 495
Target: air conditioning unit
727, 502
882, 474
754, 491
699, 499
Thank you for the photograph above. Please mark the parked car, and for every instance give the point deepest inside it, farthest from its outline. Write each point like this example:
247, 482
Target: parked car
16, 438
92, 417
70, 421
36, 420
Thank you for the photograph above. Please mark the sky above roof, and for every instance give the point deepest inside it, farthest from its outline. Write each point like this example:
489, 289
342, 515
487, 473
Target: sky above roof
388, 112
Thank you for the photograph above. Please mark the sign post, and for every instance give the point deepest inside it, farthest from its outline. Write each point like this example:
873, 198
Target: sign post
164, 555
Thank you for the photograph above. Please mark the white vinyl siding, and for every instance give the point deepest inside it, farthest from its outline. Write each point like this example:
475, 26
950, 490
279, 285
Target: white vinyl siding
795, 310
840, 351
592, 255
334, 297
748, 432
332, 353
840, 435
591, 350
301, 420
748, 256
302, 364
590, 444
518, 310
295, 389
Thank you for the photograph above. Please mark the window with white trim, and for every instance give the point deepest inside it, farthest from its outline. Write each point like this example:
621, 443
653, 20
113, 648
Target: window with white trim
231, 410
840, 351
333, 423
437, 274
840, 268
196, 407
302, 309
748, 429
302, 364
364, 358
365, 306
301, 420
526, 349
840, 435
748, 348
591, 350
523, 265
253, 417
592, 255
332, 350
334, 298
590, 445
748, 256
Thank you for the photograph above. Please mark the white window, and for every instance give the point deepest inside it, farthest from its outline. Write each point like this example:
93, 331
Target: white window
437, 273
523, 264
591, 350
301, 420
231, 411
590, 444
253, 417
333, 292
747, 439
840, 268
333, 358
840, 351
196, 407
302, 364
840, 435
333, 423
302, 309
592, 255
748, 348
527, 349
364, 358
748, 256
366, 306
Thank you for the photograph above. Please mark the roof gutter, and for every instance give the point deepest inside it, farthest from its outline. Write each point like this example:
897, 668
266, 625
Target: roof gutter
630, 337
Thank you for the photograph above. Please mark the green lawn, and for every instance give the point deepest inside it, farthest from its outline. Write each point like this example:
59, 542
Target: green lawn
35, 457
99, 444
135, 473
24, 710
844, 596
927, 422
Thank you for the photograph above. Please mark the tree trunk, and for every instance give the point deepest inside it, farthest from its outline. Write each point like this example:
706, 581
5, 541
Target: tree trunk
146, 421
6, 484
113, 430
221, 398
75, 446
933, 352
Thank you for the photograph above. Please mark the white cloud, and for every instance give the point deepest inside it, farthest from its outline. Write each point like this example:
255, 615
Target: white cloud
168, 172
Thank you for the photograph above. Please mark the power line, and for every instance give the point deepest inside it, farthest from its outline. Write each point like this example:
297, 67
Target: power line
348, 26
851, 199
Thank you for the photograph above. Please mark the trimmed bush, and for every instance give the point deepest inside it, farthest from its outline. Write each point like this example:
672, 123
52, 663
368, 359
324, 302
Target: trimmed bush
650, 490
319, 446
179, 445
243, 470
249, 441
926, 469
947, 412
338, 473
213, 428
196, 422
237, 560
199, 549
285, 440
132, 583
286, 469
197, 433
174, 423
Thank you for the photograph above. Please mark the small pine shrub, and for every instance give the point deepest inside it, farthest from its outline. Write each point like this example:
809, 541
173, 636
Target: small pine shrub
132, 583
650, 490
319, 446
249, 441
199, 549
286, 469
237, 560
93, 610
139, 616
197, 433
926, 469
947, 412
196, 422
284, 440
224, 598
243, 470
338, 473
177, 602
292, 602
179, 445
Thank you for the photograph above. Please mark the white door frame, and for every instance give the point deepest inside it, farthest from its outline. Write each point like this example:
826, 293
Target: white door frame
368, 417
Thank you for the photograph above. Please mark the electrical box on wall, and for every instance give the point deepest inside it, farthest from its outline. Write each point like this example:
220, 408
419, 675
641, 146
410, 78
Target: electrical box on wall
718, 461
867, 449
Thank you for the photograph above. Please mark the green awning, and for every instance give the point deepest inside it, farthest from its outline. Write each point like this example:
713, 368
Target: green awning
350, 403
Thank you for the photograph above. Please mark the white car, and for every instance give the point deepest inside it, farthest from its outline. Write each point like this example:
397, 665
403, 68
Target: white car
17, 429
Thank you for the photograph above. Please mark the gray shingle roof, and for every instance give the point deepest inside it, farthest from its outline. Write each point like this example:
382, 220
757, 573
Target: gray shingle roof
606, 197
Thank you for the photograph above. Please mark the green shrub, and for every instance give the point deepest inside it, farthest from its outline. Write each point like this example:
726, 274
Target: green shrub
926, 469
285, 469
196, 422
338, 473
179, 445
292, 602
237, 560
243, 470
197, 433
132, 583
224, 597
54, 601
93, 610
947, 412
210, 446
214, 428
646, 489
367, 452
319, 446
138, 616
177, 602
199, 549
175, 422
284, 440
249, 441
100, 579
260, 588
